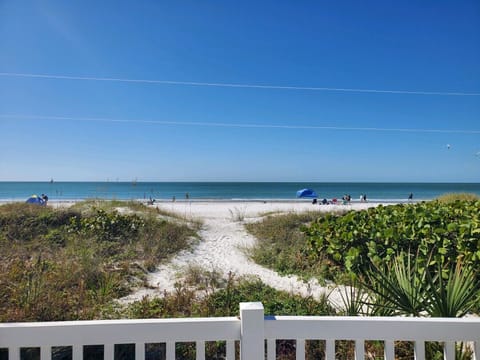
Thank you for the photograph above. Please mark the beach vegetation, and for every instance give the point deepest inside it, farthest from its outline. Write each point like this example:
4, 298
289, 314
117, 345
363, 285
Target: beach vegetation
402, 260
281, 245
67, 264
238, 214
133, 206
190, 301
452, 197
405, 287
392, 251
438, 233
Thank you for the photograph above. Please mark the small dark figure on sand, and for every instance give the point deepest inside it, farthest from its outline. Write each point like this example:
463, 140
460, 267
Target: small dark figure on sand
410, 197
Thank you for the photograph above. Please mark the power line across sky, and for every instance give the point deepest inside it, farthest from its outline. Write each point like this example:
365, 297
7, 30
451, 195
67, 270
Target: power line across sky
234, 125
236, 85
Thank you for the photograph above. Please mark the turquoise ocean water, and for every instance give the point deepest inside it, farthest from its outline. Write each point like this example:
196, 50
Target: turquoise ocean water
64, 191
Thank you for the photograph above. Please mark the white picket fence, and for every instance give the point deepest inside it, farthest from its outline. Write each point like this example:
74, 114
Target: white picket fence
251, 330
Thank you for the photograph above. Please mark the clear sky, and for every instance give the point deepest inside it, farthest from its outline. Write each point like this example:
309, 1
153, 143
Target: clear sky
216, 133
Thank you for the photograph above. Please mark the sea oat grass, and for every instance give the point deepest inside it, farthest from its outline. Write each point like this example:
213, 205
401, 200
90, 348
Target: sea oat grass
281, 244
452, 197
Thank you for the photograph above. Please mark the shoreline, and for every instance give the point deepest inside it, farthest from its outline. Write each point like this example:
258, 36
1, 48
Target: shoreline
223, 201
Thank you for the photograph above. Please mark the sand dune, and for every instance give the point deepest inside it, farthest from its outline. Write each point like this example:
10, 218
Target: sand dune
223, 243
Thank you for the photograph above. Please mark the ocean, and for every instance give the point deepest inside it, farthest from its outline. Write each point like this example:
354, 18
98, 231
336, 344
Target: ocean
65, 191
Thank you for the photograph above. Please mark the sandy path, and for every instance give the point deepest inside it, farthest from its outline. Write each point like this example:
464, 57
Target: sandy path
223, 240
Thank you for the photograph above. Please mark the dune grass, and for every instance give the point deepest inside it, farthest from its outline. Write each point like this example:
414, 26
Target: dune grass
281, 244
452, 197
67, 264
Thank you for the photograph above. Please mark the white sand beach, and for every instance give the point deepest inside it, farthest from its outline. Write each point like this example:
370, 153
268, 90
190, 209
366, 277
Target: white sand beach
224, 241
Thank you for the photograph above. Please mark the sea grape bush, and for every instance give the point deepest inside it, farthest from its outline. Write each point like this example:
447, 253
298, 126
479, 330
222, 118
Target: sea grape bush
108, 226
438, 233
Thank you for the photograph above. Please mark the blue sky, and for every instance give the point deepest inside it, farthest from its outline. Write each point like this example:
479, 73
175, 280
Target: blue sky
431, 46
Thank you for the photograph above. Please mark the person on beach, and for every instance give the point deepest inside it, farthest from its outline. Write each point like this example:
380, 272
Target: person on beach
187, 196
410, 197
364, 197
45, 199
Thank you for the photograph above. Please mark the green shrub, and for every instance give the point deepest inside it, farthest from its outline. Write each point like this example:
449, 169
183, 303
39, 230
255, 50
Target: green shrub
108, 226
440, 233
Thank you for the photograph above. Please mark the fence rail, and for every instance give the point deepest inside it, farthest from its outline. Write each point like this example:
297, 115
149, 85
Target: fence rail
252, 330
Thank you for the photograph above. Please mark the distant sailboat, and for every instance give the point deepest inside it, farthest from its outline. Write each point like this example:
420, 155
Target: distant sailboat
51, 181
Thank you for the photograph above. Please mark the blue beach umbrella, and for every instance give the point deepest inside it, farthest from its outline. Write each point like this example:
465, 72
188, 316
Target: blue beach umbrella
35, 199
306, 193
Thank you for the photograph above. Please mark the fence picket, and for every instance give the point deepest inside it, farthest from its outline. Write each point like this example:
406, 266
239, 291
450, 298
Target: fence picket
139, 351
108, 352
419, 350
46, 353
200, 350
77, 352
330, 349
359, 350
14, 353
230, 350
170, 350
389, 350
271, 349
300, 349
449, 350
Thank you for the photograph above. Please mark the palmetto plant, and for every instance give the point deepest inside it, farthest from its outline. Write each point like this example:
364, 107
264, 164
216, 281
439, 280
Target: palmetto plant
398, 288
454, 296
405, 287
353, 299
